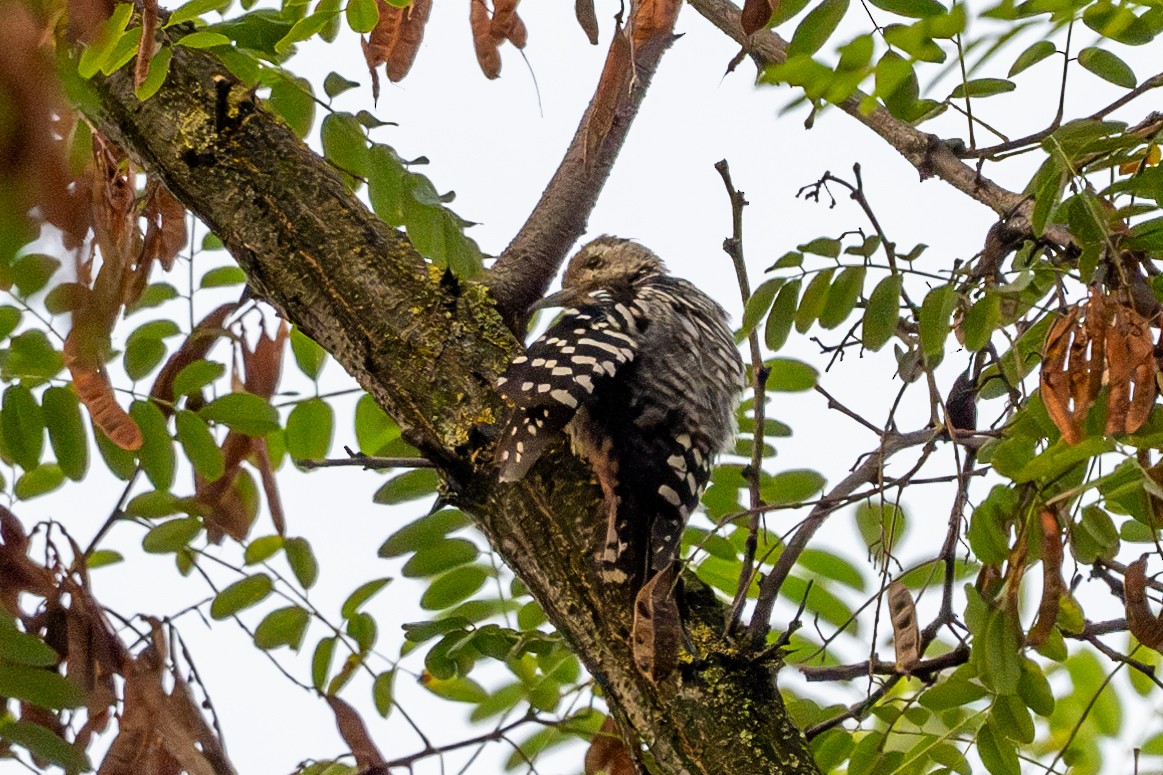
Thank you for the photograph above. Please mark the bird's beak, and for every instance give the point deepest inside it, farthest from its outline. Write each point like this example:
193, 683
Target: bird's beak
563, 298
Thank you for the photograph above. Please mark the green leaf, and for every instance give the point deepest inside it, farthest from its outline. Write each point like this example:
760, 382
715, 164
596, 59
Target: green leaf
223, 276
382, 692
433, 560
1034, 689
262, 549
933, 322
345, 144
386, 184
815, 29
32, 272
362, 15
38, 481
294, 100
997, 753
305, 29
758, 304
1034, 54
453, 587
154, 504
779, 322
22, 422
32, 358
814, 299
103, 557
243, 412
66, 431
408, 486
426, 531
791, 487
104, 40
1094, 537
981, 321
321, 662
171, 536
302, 561
842, 296
120, 462
309, 356
310, 427
9, 319
282, 627
142, 355
915, 9
203, 39
822, 246
46, 745
159, 69
373, 428
194, 9
786, 10
1107, 66
882, 525
199, 445
241, 595
982, 87
157, 448
363, 593
20, 648
882, 313
195, 376
788, 375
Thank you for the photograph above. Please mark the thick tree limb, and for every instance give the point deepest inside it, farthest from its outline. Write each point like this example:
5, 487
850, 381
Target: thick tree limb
429, 351
928, 153
527, 266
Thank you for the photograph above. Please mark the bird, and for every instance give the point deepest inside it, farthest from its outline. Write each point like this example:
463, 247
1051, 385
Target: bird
641, 371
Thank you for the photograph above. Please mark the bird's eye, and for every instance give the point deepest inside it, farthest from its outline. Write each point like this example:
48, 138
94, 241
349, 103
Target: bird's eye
593, 261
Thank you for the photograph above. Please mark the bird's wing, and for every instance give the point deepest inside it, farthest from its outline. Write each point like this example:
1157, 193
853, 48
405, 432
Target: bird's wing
577, 357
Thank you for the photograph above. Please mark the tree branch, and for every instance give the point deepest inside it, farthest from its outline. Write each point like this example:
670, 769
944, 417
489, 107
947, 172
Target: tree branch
928, 153
430, 352
527, 266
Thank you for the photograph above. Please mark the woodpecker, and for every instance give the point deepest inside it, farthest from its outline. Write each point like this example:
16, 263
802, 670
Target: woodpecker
642, 372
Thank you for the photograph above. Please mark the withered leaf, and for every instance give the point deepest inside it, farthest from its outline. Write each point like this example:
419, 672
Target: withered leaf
270, 486
1052, 584
1143, 624
96, 393
165, 233
506, 24
396, 38
264, 364
486, 46
587, 19
1130, 353
756, 14
652, 19
355, 734
196, 347
1055, 383
656, 630
608, 752
905, 633
227, 514
148, 44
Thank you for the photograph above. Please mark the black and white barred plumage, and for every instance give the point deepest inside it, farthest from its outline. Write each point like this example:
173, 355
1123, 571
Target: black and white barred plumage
642, 372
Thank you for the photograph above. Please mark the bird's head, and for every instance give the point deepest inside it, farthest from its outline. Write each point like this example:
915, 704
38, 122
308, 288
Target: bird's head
606, 262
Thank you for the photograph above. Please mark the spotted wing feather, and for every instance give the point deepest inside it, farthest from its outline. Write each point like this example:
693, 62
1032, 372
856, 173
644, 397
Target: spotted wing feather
563, 369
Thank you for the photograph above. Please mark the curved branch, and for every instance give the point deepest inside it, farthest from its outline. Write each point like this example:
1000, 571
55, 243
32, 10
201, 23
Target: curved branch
527, 266
430, 351
931, 156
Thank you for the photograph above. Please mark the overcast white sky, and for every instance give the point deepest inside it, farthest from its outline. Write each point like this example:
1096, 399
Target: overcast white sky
497, 143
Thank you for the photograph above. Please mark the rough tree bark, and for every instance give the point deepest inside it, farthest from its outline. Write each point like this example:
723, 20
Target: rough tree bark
429, 348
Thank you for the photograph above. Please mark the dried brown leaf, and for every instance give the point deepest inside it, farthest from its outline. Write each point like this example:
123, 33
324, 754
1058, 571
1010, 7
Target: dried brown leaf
270, 486
264, 364
652, 19
165, 233
407, 44
148, 45
96, 392
355, 734
486, 46
608, 753
905, 633
1143, 624
587, 19
656, 629
196, 347
1055, 382
1130, 355
18, 573
756, 14
507, 25
226, 513
1052, 584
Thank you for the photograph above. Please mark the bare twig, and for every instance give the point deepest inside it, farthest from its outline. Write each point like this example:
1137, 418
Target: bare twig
367, 461
867, 472
733, 246
923, 670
